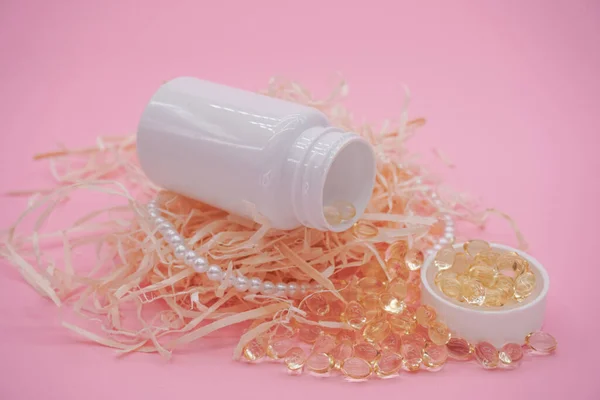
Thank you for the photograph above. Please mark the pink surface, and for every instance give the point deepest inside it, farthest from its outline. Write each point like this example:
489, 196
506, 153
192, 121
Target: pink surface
510, 91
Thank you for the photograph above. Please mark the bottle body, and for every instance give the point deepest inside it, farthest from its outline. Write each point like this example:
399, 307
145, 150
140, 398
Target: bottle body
236, 150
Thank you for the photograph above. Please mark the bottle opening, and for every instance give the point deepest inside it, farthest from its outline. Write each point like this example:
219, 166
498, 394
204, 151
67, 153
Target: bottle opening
348, 184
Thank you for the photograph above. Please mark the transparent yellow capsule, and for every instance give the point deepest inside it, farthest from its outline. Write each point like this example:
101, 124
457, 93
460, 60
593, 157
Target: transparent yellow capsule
462, 262
324, 344
459, 349
279, 347
356, 368
450, 285
487, 257
487, 355
446, 274
397, 268
254, 350
391, 343
472, 292
332, 215
355, 315
415, 339
511, 354
388, 364
376, 331
402, 323
398, 288
412, 356
425, 315
372, 306
309, 333
365, 230
438, 333
434, 355
484, 274
366, 351
506, 284
317, 304
414, 259
345, 335
495, 297
319, 363
346, 209
295, 359
371, 284
396, 250
524, 285
445, 258
391, 304
512, 264
541, 342
342, 351
474, 247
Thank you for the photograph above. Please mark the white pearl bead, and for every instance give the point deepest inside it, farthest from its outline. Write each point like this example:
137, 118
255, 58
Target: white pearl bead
443, 241
281, 289
200, 264
189, 257
159, 220
163, 227
449, 229
304, 287
449, 236
152, 204
437, 247
154, 213
180, 251
268, 288
214, 273
242, 283
292, 289
255, 285
175, 240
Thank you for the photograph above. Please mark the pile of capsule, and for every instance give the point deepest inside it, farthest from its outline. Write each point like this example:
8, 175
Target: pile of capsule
380, 329
482, 276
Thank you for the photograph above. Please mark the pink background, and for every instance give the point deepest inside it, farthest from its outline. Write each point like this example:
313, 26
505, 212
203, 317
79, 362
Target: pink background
510, 91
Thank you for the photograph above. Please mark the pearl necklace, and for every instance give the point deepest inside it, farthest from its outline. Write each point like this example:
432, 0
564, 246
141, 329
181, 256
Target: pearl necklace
256, 285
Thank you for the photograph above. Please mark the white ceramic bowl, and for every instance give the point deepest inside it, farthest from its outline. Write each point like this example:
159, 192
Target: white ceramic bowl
497, 326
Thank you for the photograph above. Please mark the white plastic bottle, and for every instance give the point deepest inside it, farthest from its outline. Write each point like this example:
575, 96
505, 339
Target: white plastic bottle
231, 148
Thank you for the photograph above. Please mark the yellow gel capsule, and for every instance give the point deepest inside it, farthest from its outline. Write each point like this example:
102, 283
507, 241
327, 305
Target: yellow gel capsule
474, 247
472, 292
425, 315
396, 250
372, 306
354, 315
332, 215
434, 355
366, 351
450, 286
506, 284
487, 257
254, 350
319, 363
295, 359
403, 323
391, 304
414, 259
484, 274
462, 262
345, 209
495, 297
524, 285
376, 331
438, 333
398, 288
512, 264
371, 284
445, 258
388, 364
356, 368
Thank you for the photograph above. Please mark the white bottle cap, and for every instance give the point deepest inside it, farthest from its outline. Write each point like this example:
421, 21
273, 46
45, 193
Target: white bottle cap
509, 324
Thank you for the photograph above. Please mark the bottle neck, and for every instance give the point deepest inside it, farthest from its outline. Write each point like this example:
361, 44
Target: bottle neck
330, 165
